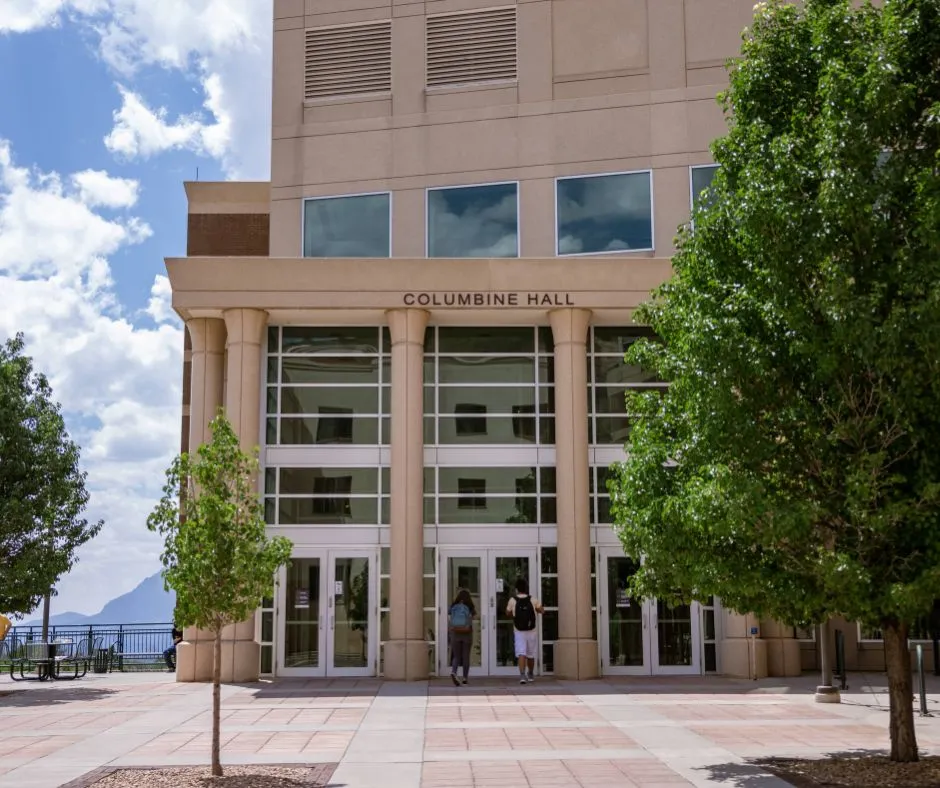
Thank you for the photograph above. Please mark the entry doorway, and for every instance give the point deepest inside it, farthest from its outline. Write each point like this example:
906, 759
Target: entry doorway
643, 637
325, 626
490, 577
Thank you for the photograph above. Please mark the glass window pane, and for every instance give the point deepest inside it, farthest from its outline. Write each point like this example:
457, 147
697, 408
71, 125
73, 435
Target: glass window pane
610, 213
356, 226
270, 435
430, 511
273, 339
549, 560
613, 369
270, 481
494, 480
272, 369
329, 400
491, 511
272, 400
498, 369
618, 340
350, 369
613, 429
312, 431
486, 430
429, 555
547, 369
549, 509
546, 431
485, 400
702, 178
339, 510
549, 592
473, 221
487, 339
337, 340
329, 481
548, 480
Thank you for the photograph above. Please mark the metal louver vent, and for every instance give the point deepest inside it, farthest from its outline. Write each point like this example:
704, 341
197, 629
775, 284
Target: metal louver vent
343, 61
475, 46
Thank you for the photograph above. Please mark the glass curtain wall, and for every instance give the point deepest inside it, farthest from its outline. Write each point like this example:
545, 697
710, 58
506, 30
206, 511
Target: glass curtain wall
609, 380
489, 387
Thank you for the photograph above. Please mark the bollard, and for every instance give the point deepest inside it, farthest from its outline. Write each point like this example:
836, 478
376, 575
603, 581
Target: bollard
840, 659
936, 652
922, 679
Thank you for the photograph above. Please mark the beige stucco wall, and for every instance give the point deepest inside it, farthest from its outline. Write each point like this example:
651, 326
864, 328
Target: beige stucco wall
603, 86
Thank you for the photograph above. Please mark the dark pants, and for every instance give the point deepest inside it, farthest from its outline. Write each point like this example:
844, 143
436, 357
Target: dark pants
460, 644
169, 656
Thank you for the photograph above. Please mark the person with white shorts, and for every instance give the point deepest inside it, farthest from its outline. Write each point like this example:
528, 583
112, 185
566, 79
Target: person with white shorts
523, 610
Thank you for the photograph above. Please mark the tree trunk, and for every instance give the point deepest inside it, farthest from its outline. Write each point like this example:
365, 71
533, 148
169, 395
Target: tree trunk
45, 617
216, 703
900, 694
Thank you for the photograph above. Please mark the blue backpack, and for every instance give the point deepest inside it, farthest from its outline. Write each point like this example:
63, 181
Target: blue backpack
461, 619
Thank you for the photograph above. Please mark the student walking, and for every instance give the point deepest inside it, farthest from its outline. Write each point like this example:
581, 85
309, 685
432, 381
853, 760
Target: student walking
460, 623
523, 609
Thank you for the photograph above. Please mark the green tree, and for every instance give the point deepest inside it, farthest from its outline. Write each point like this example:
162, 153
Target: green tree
217, 556
793, 467
42, 489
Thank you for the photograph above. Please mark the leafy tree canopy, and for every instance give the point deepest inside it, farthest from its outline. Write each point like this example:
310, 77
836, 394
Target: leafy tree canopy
42, 489
793, 468
217, 556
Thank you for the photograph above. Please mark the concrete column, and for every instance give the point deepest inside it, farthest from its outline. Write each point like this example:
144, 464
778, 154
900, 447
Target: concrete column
193, 658
244, 353
575, 649
406, 652
208, 371
245, 328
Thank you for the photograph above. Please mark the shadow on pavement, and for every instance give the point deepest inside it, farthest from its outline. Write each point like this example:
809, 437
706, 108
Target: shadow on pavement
53, 696
743, 775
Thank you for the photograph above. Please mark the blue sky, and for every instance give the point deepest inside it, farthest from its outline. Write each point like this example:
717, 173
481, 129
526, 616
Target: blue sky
106, 107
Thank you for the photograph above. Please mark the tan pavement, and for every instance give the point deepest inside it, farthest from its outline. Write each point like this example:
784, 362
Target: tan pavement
639, 732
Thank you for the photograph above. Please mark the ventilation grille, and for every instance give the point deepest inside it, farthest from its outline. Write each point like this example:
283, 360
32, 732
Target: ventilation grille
344, 61
479, 46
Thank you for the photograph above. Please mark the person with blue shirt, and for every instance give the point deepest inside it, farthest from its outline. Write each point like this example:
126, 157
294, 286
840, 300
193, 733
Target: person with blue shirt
460, 623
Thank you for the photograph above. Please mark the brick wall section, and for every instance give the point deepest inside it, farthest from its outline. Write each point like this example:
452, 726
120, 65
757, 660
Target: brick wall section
228, 235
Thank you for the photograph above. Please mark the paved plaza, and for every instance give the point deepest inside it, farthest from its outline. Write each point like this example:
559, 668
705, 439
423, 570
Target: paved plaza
640, 732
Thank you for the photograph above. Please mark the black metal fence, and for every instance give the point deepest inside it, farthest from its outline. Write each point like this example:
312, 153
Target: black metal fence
122, 647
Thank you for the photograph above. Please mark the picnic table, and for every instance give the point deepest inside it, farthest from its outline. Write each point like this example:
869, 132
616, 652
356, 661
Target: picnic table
55, 659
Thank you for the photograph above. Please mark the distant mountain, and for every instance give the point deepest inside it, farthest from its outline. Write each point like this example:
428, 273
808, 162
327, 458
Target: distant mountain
146, 604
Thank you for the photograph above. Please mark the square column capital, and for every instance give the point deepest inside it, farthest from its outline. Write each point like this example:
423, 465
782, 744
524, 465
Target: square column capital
407, 326
570, 326
245, 326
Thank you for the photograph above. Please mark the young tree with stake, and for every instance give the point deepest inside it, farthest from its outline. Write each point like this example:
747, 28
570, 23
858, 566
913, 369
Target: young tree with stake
217, 556
793, 466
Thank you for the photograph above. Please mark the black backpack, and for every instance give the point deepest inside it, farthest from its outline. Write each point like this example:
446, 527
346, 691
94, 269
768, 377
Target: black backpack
523, 618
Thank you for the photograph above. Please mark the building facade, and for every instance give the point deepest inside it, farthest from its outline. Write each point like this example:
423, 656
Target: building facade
421, 320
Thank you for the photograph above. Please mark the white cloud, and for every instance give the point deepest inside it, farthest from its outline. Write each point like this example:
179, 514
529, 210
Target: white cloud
160, 306
225, 44
21, 16
119, 384
141, 131
97, 188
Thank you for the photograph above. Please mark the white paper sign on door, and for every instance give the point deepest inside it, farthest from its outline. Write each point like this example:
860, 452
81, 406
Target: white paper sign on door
338, 588
500, 585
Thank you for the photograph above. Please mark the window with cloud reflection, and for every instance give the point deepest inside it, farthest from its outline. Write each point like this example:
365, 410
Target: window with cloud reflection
606, 213
354, 226
474, 221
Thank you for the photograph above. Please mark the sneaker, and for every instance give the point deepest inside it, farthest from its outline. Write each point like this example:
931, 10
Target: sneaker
464, 681
522, 680
453, 678
530, 678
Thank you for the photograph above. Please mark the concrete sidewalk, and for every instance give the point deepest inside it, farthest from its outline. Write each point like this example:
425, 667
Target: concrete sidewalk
636, 732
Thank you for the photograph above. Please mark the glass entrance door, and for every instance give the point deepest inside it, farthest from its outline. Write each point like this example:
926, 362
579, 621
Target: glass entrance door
324, 622
490, 576
301, 636
644, 637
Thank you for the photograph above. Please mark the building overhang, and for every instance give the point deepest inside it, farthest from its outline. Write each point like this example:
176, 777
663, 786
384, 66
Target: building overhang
353, 290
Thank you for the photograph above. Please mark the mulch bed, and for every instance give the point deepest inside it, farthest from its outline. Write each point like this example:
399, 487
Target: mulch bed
259, 776
860, 772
